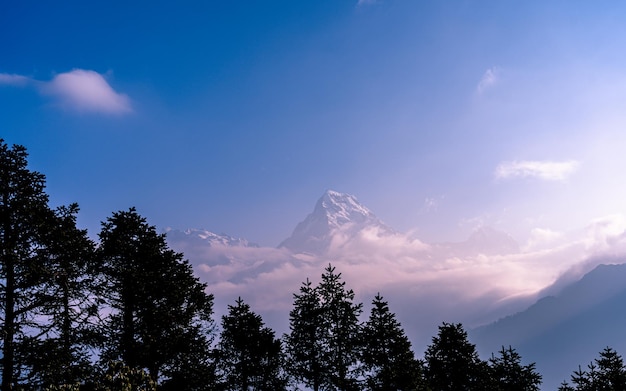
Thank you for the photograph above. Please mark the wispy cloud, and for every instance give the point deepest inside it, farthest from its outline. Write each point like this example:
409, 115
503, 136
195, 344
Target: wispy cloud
78, 90
546, 170
15, 80
489, 79
365, 2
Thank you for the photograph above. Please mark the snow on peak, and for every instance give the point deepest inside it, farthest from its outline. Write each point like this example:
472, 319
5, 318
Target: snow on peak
340, 209
207, 237
333, 212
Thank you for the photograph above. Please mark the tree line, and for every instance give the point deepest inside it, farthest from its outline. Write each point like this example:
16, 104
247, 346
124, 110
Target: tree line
128, 313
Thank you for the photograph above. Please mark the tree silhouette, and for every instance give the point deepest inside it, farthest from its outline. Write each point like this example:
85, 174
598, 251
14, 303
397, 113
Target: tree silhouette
248, 355
387, 357
24, 218
303, 345
452, 362
606, 372
323, 346
508, 374
59, 353
160, 312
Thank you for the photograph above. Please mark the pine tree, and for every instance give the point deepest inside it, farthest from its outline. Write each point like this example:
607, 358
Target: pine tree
341, 330
611, 370
452, 362
160, 313
249, 357
61, 353
323, 346
24, 214
303, 345
604, 373
387, 357
508, 374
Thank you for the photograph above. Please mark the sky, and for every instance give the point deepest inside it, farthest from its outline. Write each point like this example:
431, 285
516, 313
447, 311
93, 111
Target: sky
236, 116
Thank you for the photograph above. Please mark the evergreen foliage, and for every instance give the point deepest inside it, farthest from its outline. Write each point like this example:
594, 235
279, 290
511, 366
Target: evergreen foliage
506, 372
160, 312
249, 357
452, 362
606, 372
43, 297
60, 352
387, 357
303, 345
323, 346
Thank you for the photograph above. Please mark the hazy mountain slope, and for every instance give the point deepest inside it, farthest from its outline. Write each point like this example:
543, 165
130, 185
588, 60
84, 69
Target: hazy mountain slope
564, 331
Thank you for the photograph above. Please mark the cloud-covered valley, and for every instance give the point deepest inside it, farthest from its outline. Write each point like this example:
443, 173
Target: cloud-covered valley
475, 281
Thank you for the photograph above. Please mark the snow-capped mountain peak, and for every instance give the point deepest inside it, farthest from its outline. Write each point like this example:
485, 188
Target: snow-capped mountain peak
333, 212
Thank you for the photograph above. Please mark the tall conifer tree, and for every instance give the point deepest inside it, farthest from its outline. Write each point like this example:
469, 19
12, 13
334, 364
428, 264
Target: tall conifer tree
387, 356
452, 362
508, 374
324, 342
60, 354
249, 357
24, 214
161, 314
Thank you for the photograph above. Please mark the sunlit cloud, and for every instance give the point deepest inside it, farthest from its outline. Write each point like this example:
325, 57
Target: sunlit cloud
546, 170
83, 90
78, 90
489, 79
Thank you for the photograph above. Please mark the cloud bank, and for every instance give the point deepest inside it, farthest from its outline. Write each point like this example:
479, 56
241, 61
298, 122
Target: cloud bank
78, 90
545, 170
473, 282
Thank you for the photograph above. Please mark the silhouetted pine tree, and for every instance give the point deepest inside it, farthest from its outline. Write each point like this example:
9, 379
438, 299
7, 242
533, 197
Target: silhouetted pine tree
388, 360
304, 343
452, 362
508, 374
323, 346
341, 331
605, 373
24, 261
60, 352
161, 316
248, 355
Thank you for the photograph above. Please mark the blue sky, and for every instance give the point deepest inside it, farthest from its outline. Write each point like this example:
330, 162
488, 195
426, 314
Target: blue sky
237, 116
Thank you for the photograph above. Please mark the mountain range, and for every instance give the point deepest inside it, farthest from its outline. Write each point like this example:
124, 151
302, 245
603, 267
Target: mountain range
560, 326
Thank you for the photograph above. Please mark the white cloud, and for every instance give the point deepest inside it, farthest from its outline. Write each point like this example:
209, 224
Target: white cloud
86, 91
489, 79
546, 170
78, 90
15, 80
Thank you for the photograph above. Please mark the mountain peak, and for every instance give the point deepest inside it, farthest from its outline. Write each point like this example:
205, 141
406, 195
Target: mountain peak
333, 212
340, 209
